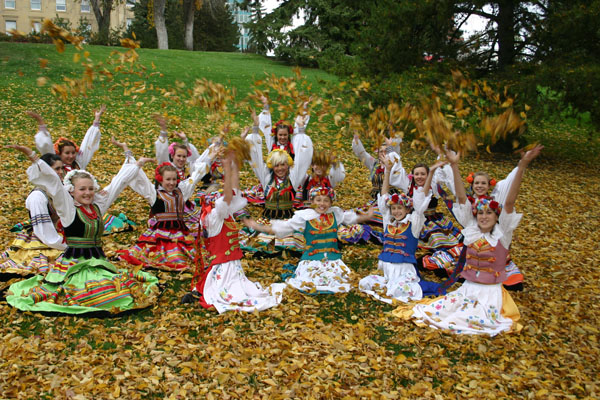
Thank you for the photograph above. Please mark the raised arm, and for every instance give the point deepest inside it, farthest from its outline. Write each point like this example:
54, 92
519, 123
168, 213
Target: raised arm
429, 180
337, 173
303, 146
228, 170
257, 163
193, 150
161, 146
91, 140
126, 175
513, 192
43, 140
265, 123
385, 186
461, 194
359, 151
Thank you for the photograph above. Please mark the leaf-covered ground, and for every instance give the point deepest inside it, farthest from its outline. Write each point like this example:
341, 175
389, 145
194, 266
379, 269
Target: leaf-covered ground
327, 346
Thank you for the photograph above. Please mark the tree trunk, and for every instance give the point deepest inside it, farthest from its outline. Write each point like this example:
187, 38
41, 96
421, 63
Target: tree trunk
189, 12
506, 32
161, 26
102, 11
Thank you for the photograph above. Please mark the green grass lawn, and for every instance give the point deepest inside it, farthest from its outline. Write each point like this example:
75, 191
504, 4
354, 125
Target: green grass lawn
326, 346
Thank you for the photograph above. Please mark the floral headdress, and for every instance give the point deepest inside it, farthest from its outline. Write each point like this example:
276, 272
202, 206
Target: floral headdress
172, 149
400, 199
322, 191
278, 156
68, 184
471, 178
157, 175
63, 141
484, 203
282, 123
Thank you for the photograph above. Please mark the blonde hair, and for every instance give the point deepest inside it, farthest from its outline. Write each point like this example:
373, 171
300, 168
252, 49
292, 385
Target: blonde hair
279, 156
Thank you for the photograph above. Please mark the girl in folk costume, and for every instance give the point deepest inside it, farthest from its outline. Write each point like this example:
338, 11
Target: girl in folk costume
168, 243
375, 164
326, 172
82, 280
321, 268
72, 156
280, 177
480, 184
41, 242
181, 155
280, 135
438, 232
481, 305
403, 220
224, 285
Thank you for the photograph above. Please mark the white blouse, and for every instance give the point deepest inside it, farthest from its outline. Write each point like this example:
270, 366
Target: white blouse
222, 210
87, 149
161, 147
303, 148
367, 159
41, 175
264, 124
503, 231
43, 228
297, 223
416, 217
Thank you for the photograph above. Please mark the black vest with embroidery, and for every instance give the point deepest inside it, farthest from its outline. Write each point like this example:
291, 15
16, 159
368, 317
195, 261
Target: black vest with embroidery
168, 210
84, 235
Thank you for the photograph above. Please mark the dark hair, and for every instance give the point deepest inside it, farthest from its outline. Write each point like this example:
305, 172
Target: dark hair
420, 165
283, 127
65, 143
162, 170
50, 158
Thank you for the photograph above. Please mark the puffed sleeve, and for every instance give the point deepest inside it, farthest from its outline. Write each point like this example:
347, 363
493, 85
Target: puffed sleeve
342, 217
420, 203
187, 186
89, 146
222, 210
384, 209
109, 194
363, 156
283, 228
463, 213
303, 148
195, 154
257, 163
264, 124
508, 223
43, 140
398, 176
142, 186
43, 228
161, 147
337, 173
40, 174
444, 175
306, 120
501, 189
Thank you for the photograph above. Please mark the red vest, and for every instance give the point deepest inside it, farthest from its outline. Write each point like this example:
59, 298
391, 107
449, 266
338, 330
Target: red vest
485, 264
225, 246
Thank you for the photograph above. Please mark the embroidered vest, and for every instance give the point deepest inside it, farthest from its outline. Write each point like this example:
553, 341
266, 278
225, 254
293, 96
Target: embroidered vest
485, 264
399, 244
225, 246
279, 196
168, 206
321, 239
85, 232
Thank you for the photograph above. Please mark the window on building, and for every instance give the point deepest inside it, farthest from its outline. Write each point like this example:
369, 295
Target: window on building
128, 23
36, 27
130, 3
85, 6
10, 4
10, 25
36, 4
61, 5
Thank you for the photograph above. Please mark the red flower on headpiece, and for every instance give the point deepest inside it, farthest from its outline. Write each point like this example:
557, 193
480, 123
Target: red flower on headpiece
280, 123
157, 174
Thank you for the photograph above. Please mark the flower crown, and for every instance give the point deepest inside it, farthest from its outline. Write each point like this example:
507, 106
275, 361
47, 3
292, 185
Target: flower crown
400, 199
322, 191
68, 184
63, 140
157, 175
471, 178
484, 203
172, 150
278, 154
280, 123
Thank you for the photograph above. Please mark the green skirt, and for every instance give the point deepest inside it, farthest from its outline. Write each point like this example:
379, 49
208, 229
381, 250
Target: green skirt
92, 285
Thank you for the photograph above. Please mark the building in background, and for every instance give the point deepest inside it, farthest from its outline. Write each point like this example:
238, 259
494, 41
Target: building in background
27, 15
241, 17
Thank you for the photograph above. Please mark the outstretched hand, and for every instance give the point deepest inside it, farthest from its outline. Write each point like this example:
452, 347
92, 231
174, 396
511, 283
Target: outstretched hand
245, 132
161, 121
98, 113
23, 149
452, 156
254, 117
122, 145
143, 160
532, 154
36, 116
437, 165
181, 135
